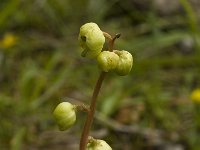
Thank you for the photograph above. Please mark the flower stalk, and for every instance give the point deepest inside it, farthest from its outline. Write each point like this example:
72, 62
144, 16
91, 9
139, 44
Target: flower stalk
91, 40
90, 116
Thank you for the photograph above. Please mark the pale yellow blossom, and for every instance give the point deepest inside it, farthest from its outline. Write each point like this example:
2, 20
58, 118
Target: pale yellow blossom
8, 40
195, 95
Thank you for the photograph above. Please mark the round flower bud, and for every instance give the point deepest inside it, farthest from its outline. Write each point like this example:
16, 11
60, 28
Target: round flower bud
91, 39
125, 62
97, 145
64, 115
107, 60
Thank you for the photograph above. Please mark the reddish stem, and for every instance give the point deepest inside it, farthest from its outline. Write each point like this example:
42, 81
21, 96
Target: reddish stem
90, 116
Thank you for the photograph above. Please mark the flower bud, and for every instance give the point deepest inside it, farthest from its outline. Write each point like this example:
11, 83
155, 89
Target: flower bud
125, 62
64, 115
97, 145
107, 60
91, 40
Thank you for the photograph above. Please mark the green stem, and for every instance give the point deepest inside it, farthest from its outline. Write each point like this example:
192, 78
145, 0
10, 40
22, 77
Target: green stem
90, 116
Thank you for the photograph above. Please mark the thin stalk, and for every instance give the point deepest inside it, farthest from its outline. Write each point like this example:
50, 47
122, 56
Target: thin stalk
108, 36
111, 42
90, 116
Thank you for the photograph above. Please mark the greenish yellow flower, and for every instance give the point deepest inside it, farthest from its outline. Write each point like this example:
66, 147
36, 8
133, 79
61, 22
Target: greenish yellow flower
65, 115
125, 62
195, 95
107, 60
95, 144
91, 39
8, 40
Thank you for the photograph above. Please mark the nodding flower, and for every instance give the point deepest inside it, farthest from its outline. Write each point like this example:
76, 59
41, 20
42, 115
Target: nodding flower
91, 40
125, 62
65, 115
95, 144
107, 60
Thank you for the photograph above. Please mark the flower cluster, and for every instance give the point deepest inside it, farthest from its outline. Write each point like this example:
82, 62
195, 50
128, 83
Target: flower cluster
91, 40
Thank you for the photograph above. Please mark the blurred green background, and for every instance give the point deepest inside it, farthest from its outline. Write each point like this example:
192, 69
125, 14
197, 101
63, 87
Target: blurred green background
40, 66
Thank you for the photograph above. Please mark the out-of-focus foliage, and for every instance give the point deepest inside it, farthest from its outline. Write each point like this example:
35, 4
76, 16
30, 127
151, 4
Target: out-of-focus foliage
40, 66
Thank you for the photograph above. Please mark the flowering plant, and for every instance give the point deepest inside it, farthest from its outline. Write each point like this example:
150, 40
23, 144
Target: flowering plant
91, 40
